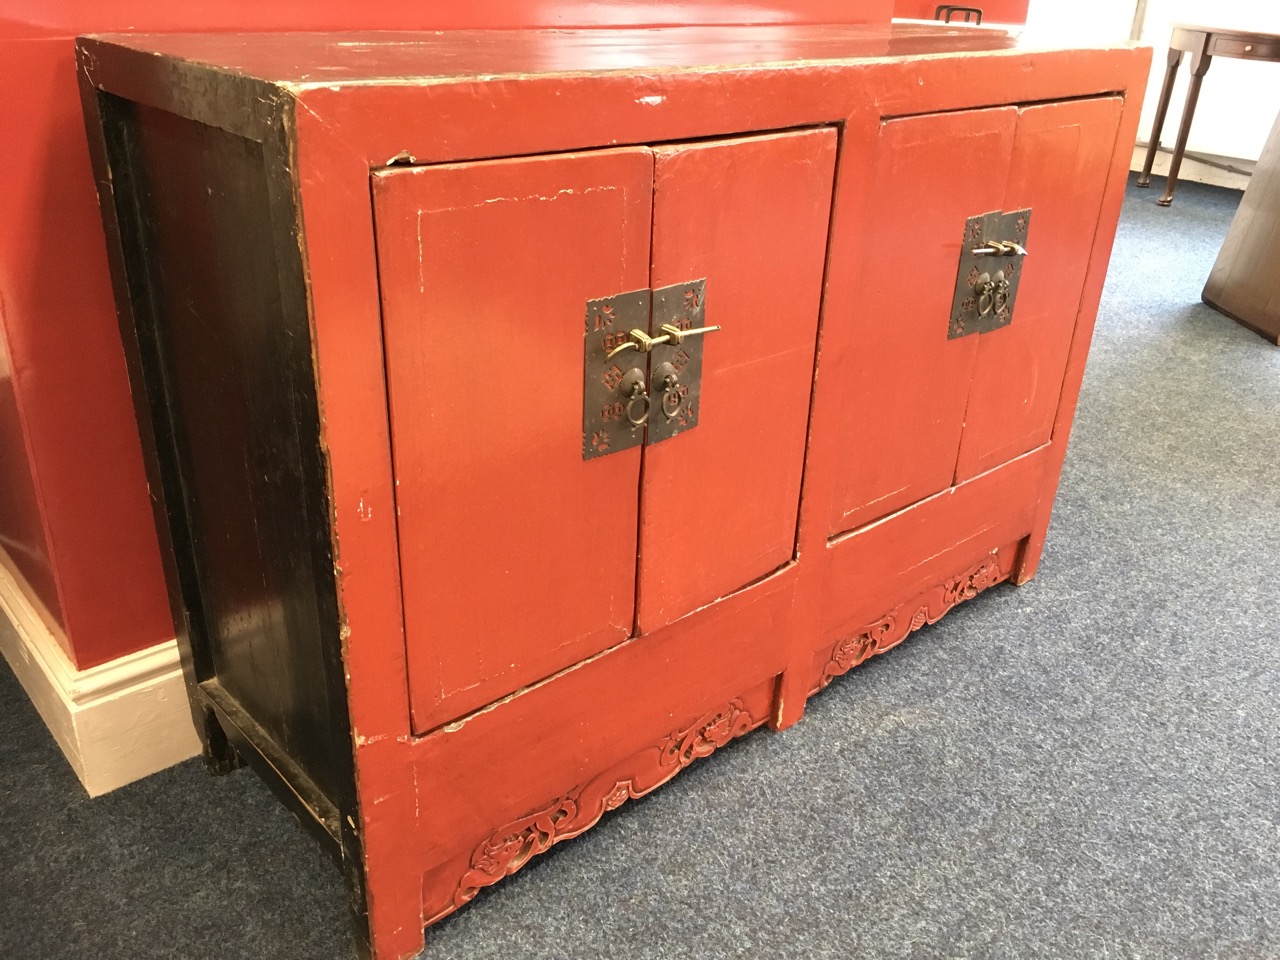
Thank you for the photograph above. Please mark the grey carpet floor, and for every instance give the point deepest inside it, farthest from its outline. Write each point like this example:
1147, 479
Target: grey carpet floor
1087, 766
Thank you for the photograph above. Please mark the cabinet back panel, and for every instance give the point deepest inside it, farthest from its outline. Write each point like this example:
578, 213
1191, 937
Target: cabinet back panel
517, 556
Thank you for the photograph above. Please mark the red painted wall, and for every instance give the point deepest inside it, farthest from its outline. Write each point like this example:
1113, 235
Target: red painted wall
97, 566
73, 499
22, 536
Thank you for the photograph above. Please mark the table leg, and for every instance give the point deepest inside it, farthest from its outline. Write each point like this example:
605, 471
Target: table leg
1199, 67
1162, 108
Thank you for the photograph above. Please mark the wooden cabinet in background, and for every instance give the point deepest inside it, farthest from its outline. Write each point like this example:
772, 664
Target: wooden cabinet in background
1243, 283
531, 413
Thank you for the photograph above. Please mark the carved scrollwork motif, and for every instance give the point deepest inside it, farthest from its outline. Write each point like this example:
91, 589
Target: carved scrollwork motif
971, 584
708, 734
510, 848
896, 625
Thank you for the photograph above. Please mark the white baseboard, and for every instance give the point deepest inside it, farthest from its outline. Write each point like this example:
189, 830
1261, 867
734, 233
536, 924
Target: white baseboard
117, 722
1195, 171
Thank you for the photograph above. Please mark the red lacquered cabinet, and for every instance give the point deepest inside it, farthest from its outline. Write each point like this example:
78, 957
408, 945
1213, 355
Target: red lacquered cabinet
529, 414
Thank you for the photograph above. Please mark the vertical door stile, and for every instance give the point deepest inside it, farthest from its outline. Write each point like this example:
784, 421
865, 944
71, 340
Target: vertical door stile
719, 502
905, 385
1061, 157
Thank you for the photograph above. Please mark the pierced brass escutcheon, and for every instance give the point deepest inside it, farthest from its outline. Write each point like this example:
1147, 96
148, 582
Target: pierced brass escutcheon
992, 254
679, 312
642, 367
613, 388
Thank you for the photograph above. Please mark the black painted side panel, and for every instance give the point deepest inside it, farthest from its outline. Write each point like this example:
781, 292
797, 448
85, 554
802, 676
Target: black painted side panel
235, 366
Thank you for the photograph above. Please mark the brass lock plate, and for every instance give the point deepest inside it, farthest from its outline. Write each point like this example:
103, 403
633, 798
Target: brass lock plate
675, 369
991, 260
615, 405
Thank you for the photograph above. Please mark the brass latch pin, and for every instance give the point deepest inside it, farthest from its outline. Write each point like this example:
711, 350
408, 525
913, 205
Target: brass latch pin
639, 341
676, 335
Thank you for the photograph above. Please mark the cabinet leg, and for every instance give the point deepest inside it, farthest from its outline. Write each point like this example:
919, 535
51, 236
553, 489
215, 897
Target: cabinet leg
1028, 559
219, 756
357, 902
385, 895
392, 929
1199, 67
792, 694
1162, 109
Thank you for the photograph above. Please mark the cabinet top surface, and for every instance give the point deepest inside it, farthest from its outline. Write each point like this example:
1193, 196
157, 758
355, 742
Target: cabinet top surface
327, 58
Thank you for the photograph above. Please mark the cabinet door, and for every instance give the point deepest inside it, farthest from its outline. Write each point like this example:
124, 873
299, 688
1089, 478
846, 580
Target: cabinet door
904, 387
517, 557
720, 502
1061, 157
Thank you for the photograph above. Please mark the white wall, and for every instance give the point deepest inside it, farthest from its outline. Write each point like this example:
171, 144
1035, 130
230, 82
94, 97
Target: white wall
1239, 99
1080, 21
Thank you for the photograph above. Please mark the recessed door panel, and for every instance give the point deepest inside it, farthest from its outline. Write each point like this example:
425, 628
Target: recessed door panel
905, 384
1061, 157
517, 556
720, 501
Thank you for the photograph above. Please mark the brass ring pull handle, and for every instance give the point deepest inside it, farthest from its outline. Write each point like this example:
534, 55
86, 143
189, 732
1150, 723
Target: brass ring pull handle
673, 393
637, 394
993, 293
1000, 248
1000, 292
639, 341
676, 335
985, 288
638, 419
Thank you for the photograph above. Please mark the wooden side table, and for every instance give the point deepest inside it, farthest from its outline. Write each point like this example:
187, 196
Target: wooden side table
1203, 43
